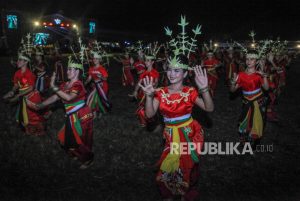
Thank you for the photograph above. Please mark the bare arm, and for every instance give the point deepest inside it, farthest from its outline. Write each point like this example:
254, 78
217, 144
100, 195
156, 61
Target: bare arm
205, 103
65, 96
42, 105
88, 80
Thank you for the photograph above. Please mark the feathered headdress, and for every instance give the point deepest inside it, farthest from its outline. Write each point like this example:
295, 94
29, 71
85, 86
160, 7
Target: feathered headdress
26, 48
182, 43
212, 47
260, 47
152, 50
78, 62
278, 47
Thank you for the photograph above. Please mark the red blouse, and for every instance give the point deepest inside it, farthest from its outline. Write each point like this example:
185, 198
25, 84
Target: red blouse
93, 72
210, 63
24, 80
77, 87
177, 104
249, 82
153, 73
139, 66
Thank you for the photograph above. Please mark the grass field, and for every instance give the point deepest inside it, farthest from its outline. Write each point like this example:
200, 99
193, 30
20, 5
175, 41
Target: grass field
36, 169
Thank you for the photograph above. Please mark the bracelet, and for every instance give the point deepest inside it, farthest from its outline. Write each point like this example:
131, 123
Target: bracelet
40, 105
55, 89
203, 90
151, 95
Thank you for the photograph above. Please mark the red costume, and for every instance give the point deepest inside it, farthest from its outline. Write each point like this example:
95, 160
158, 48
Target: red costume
179, 173
251, 124
76, 136
231, 68
127, 78
30, 119
273, 84
139, 66
98, 98
141, 108
210, 65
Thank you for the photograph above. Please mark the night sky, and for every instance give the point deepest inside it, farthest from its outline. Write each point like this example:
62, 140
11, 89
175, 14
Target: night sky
220, 19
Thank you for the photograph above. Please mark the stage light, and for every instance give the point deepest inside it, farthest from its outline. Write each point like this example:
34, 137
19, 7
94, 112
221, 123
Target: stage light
68, 25
216, 44
36, 23
44, 23
253, 45
298, 46
50, 24
62, 25
74, 26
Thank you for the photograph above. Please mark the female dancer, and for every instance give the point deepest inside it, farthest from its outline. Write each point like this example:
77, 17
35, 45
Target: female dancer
127, 77
76, 136
138, 93
97, 99
251, 122
24, 82
178, 172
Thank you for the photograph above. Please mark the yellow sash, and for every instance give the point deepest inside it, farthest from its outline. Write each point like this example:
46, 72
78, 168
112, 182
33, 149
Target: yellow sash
171, 163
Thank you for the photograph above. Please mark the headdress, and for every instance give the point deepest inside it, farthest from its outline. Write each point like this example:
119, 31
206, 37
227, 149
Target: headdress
278, 47
182, 44
74, 64
152, 50
212, 48
260, 47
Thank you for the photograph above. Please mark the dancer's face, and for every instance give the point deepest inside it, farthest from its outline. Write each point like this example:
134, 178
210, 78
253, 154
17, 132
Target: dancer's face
176, 75
21, 63
72, 73
96, 61
149, 63
251, 62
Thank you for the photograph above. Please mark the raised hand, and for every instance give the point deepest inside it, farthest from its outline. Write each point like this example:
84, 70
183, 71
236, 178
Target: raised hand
200, 77
147, 86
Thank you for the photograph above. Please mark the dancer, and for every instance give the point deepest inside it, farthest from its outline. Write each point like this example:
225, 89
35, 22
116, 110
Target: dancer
127, 77
252, 119
98, 98
178, 171
31, 121
76, 136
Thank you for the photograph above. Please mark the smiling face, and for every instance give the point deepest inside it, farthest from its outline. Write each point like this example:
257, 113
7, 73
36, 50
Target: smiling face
176, 75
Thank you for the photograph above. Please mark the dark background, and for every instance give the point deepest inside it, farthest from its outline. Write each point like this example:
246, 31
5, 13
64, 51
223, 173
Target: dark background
219, 19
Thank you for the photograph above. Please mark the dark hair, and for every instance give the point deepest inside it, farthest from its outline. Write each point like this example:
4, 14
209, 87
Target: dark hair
80, 75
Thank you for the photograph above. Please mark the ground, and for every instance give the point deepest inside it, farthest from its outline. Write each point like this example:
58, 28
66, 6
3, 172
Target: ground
35, 168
